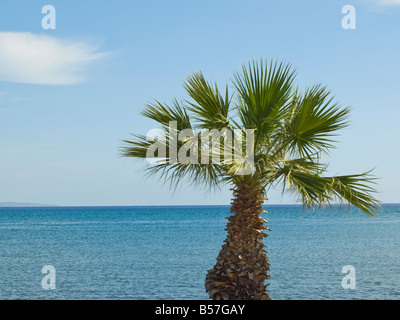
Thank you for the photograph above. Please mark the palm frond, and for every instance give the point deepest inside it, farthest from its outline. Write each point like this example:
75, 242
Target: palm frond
357, 190
137, 147
264, 90
209, 176
312, 121
209, 107
317, 190
162, 159
164, 114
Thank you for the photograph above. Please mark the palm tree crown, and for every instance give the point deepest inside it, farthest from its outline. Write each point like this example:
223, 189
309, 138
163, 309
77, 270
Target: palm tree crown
292, 130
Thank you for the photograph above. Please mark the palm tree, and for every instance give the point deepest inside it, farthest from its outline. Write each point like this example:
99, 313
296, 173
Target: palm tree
293, 129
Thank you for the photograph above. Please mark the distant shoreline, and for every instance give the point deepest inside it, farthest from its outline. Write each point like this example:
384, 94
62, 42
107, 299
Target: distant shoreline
24, 204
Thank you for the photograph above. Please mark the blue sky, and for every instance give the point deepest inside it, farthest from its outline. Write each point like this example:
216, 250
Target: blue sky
69, 96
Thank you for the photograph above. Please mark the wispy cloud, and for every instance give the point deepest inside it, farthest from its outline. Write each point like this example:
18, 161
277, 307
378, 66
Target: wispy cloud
41, 59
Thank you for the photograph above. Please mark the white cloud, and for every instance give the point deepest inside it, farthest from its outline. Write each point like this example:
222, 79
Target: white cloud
41, 59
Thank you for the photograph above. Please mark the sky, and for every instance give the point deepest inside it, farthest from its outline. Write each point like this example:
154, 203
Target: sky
70, 95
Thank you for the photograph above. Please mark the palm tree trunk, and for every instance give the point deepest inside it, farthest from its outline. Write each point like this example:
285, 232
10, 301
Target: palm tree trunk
242, 265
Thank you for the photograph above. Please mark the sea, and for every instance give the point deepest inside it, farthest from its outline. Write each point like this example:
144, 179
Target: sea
164, 252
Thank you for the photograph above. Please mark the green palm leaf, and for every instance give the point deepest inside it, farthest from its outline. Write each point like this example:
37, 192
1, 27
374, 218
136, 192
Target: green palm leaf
264, 90
312, 121
210, 108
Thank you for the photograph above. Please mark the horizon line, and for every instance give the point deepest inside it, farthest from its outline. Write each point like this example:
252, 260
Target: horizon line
34, 205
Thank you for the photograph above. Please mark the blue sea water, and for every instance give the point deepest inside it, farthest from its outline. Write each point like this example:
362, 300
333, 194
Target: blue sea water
165, 252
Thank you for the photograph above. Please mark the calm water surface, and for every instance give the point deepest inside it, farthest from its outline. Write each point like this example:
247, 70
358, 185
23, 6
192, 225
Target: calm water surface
165, 252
